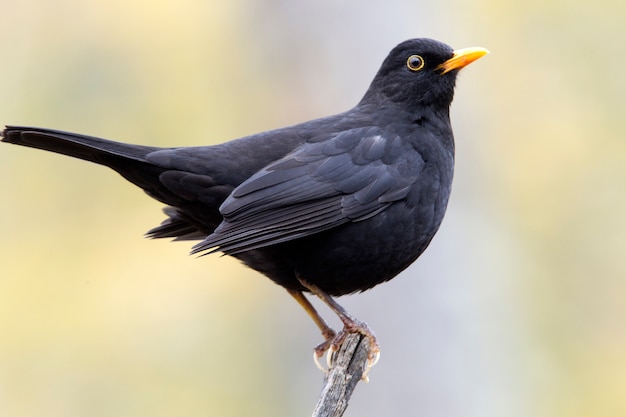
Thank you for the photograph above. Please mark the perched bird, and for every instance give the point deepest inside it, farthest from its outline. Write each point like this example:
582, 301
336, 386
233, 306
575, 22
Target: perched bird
331, 206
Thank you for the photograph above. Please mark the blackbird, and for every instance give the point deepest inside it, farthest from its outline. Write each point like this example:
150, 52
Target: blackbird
331, 206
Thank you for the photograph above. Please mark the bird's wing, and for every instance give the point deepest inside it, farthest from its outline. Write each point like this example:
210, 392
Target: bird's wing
349, 176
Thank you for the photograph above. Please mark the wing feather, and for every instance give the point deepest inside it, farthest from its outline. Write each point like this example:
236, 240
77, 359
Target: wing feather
351, 176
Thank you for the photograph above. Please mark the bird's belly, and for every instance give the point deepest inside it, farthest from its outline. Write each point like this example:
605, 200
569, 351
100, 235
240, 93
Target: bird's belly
353, 257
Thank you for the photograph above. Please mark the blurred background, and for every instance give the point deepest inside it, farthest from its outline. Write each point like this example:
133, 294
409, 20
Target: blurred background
517, 308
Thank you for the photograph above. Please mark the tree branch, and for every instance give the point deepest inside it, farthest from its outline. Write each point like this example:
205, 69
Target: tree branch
349, 363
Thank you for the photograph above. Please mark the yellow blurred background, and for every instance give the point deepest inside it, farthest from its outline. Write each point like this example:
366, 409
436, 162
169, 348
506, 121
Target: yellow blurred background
517, 309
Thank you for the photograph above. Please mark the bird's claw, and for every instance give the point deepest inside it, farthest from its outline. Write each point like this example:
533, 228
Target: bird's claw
326, 347
332, 345
329, 360
370, 364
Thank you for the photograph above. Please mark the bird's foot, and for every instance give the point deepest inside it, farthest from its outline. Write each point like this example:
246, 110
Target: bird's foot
325, 346
352, 325
333, 343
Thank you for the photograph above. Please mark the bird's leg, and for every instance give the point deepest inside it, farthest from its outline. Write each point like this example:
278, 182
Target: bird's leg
328, 333
350, 323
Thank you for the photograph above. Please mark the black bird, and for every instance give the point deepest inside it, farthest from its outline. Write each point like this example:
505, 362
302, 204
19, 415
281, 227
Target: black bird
331, 206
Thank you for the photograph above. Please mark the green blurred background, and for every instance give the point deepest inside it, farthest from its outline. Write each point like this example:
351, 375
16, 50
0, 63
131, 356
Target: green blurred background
517, 309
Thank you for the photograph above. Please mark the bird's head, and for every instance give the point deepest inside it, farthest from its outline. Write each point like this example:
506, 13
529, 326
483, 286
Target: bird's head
418, 73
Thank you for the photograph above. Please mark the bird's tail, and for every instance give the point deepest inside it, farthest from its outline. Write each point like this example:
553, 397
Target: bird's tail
131, 162
127, 159
89, 148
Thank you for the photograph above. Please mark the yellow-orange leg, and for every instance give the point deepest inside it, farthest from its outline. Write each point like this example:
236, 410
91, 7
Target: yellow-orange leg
350, 323
328, 333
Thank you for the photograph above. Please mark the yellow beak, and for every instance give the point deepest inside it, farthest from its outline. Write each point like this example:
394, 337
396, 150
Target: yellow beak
461, 58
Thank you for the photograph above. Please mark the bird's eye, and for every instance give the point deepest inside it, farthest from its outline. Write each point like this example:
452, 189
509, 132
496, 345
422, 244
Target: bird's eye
415, 62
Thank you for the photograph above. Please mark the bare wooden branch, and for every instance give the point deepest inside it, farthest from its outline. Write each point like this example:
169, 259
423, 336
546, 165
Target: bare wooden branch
349, 363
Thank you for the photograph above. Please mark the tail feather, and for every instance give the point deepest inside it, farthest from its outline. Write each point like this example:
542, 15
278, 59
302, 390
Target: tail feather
190, 220
85, 147
127, 159
178, 225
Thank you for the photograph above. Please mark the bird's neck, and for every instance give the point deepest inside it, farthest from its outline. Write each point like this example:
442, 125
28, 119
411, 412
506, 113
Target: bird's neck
422, 115
430, 118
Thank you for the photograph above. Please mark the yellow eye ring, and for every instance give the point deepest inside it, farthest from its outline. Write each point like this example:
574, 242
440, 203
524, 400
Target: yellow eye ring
415, 63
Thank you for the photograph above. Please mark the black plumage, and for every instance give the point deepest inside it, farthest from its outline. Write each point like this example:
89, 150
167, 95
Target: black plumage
333, 206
